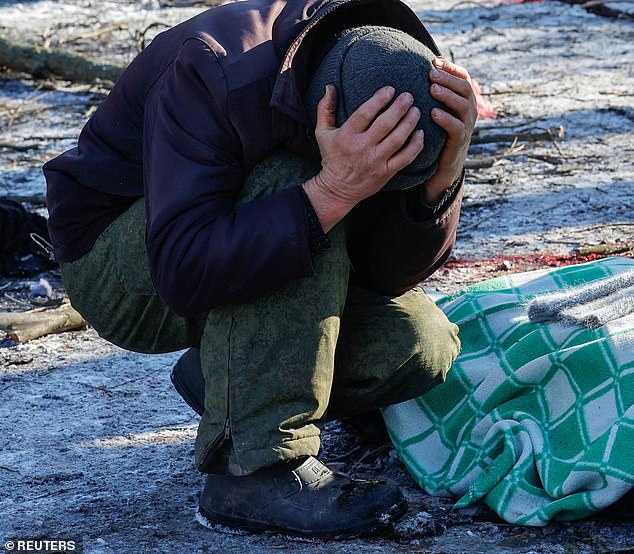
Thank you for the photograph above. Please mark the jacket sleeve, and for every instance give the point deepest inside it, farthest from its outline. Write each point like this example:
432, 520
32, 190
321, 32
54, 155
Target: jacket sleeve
204, 250
391, 250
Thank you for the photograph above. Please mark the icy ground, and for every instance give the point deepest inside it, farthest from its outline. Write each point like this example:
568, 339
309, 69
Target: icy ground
94, 443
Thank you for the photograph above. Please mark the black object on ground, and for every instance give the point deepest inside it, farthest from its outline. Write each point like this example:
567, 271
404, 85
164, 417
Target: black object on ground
20, 255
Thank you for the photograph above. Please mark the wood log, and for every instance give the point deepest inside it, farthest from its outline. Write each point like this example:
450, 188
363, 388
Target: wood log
23, 326
43, 62
479, 163
598, 7
490, 135
603, 249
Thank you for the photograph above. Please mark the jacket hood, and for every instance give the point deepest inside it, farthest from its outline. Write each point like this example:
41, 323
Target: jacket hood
324, 19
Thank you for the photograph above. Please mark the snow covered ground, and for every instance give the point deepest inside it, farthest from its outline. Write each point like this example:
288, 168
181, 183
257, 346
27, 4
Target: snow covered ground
94, 443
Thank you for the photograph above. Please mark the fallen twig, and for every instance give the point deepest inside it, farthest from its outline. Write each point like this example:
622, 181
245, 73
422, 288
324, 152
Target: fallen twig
368, 454
477, 223
482, 163
188, 3
545, 158
344, 455
16, 300
30, 98
52, 137
95, 34
567, 242
38, 109
139, 378
603, 225
552, 139
176, 424
53, 493
140, 37
465, 3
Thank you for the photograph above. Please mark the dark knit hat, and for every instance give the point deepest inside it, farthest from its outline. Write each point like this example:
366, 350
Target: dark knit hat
365, 59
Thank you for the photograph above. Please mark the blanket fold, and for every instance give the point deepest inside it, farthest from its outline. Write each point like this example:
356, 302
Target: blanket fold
536, 419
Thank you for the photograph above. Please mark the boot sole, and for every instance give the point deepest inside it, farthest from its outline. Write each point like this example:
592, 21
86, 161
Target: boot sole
394, 513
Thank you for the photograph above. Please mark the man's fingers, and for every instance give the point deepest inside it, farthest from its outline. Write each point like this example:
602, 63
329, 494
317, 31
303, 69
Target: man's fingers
457, 84
450, 67
326, 110
389, 119
407, 154
456, 103
456, 129
398, 137
364, 115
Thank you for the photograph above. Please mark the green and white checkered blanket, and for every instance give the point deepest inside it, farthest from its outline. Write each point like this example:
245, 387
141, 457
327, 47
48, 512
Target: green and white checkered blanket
535, 419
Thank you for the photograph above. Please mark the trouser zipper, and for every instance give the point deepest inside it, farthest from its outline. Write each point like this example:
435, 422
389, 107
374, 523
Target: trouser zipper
227, 428
226, 431
219, 439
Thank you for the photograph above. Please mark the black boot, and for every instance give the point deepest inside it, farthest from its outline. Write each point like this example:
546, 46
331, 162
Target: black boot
301, 498
187, 378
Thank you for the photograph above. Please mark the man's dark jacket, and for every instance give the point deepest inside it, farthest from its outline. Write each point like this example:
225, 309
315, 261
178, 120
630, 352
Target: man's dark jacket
189, 118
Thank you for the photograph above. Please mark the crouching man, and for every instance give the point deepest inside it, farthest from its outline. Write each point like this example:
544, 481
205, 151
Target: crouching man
266, 184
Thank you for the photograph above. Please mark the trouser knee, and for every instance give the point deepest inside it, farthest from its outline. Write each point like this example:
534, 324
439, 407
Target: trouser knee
390, 349
436, 339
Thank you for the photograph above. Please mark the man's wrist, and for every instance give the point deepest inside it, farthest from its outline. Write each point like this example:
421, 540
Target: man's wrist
420, 210
329, 209
317, 239
437, 187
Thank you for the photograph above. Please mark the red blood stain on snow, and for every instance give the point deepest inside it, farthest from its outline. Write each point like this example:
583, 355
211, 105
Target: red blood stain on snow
498, 265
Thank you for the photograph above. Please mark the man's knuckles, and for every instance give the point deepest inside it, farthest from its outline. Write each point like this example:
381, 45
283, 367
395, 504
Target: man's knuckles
460, 85
451, 99
456, 130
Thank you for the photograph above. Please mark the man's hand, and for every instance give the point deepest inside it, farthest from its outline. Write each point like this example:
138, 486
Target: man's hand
451, 86
362, 155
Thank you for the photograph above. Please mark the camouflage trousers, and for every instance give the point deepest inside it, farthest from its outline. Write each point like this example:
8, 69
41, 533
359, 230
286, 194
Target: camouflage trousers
278, 364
